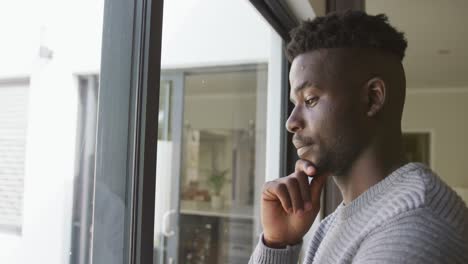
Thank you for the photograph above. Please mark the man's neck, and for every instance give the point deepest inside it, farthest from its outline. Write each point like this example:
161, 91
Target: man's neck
373, 165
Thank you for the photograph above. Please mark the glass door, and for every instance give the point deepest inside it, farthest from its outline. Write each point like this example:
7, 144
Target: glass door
211, 149
217, 184
168, 167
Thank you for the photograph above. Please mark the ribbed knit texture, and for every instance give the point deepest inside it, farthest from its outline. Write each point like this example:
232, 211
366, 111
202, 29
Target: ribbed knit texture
409, 217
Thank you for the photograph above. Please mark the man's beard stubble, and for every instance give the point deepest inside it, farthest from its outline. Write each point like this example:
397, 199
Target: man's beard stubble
336, 158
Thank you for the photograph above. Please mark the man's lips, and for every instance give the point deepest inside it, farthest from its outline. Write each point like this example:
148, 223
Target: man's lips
302, 147
302, 144
303, 150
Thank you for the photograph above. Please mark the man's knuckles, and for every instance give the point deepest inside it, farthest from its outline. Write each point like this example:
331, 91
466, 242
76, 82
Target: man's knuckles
305, 166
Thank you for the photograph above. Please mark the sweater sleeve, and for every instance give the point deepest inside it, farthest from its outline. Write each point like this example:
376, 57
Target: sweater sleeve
265, 255
413, 239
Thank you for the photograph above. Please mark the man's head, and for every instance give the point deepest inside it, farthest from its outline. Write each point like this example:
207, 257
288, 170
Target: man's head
347, 85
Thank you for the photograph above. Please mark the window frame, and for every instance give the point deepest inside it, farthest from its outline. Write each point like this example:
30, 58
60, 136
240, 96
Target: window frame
126, 141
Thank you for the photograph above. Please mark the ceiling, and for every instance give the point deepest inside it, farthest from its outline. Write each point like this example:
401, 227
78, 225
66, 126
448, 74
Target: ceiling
437, 34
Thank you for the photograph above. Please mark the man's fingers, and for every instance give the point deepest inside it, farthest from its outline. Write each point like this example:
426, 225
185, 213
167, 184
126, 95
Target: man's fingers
295, 193
316, 187
304, 189
305, 166
282, 193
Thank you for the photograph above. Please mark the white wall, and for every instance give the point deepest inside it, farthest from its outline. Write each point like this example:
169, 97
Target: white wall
19, 38
51, 126
50, 160
442, 112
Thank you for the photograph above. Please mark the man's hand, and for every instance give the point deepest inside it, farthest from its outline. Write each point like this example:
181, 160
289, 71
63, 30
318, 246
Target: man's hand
290, 205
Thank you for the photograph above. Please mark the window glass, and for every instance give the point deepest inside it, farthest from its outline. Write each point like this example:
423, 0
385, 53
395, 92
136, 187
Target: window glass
217, 64
49, 70
210, 170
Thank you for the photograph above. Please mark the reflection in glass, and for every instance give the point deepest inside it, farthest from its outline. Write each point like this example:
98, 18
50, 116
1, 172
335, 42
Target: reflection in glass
217, 185
211, 167
205, 195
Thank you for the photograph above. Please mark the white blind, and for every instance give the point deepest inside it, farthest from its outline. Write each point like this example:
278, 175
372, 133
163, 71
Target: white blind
13, 121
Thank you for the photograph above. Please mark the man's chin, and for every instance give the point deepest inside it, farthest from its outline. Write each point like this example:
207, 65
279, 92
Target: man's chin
309, 159
319, 166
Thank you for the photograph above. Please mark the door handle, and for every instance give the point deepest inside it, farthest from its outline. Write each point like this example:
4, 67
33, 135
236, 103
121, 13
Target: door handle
166, 229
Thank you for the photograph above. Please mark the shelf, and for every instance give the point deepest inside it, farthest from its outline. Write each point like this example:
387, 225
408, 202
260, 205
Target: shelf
204, 209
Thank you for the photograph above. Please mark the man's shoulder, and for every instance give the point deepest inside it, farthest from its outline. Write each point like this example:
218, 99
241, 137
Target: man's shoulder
400, 193
426, 233
419, 187
419, 210
422, 194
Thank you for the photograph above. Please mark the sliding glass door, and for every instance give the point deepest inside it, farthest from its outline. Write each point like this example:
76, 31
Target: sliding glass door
211, 148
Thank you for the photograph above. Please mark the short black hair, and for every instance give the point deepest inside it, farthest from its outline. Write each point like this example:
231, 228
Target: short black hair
348, 29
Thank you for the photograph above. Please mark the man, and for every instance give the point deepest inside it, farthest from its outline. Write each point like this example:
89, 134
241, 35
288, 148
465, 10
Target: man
348, 89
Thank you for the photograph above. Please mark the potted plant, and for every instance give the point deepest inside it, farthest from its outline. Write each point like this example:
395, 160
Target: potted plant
216, 181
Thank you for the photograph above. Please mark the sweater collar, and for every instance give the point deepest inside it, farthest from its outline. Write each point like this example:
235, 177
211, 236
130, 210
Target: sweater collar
366, 198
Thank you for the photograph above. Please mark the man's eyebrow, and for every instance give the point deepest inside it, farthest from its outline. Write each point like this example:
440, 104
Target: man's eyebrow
300, 87
304, 85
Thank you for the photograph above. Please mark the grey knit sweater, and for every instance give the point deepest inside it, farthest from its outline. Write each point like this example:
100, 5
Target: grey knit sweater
409, 217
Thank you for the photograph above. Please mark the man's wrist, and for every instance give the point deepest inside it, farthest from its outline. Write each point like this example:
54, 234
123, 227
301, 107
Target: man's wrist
272, 244
276, 244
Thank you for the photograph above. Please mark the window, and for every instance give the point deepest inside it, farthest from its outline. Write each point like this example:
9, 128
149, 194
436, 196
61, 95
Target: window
13, 122
91, 89
48, 112
211, 178
211, 169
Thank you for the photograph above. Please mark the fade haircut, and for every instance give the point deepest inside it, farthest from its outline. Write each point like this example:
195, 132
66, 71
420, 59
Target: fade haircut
349, 29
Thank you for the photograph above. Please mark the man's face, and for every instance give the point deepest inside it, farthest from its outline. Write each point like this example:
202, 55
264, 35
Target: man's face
328, 120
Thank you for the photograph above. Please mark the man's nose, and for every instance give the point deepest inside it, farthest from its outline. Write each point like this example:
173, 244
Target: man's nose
295, 121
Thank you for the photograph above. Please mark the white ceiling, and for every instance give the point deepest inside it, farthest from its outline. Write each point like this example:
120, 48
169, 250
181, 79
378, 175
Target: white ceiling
437, 33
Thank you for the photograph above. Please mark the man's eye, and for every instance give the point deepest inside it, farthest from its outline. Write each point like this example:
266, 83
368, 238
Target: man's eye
311, 102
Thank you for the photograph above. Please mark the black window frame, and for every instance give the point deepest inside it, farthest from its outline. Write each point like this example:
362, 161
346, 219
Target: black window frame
126, 142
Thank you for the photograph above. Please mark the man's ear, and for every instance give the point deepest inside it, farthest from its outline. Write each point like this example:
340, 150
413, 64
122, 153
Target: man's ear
376, 94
